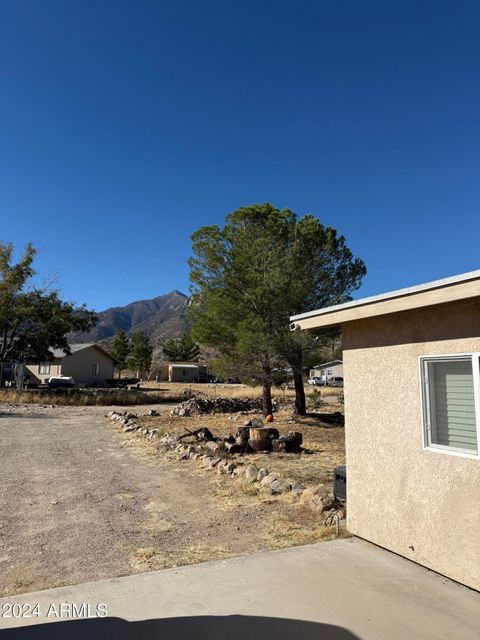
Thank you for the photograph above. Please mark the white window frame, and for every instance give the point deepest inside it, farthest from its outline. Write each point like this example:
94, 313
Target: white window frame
439, 448
44, 368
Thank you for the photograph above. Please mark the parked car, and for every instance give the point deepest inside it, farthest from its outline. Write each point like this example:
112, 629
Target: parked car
335, 382
55, 382
316, 381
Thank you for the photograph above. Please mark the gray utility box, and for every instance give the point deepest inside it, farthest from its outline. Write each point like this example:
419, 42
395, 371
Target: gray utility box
340, 483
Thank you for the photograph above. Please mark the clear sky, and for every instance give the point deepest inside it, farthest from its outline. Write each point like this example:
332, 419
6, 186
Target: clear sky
127, 125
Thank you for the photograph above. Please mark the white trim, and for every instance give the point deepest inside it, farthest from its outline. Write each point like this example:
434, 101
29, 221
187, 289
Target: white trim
438, 448
398, 293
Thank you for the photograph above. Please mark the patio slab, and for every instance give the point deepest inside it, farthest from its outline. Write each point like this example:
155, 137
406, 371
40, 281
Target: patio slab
341, 590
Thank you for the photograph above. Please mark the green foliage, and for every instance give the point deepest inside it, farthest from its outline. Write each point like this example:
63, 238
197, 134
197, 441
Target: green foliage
141, 353
33, 321
183, 349
121, 350
316, 400
249, 277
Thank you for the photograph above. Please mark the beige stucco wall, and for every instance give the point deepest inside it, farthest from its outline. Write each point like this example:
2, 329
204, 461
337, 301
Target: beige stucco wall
337, 371
421, 504
38, 378
79, 366
176, 373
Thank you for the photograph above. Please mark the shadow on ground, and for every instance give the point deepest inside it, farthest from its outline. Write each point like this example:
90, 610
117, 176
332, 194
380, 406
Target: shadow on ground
199, 628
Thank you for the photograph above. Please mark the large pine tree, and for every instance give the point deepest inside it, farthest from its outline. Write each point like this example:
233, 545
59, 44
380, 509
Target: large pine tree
121, 350
248, 277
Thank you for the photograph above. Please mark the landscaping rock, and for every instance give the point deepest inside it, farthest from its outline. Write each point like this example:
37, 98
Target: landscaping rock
200, 406
230, 467
221, 467
298, 487
251, 473
317, 498
277, 486
267, 480
239, 471
214, 462
263, 473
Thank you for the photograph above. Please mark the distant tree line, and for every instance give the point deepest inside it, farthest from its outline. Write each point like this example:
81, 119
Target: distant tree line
135, 353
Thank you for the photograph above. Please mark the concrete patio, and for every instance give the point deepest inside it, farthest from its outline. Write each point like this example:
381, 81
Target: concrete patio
341, 590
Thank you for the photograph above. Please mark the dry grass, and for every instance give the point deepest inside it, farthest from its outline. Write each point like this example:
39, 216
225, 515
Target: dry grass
232, 390
323, 442
83, 397
20, 580
287, 528
152, 559
233, 494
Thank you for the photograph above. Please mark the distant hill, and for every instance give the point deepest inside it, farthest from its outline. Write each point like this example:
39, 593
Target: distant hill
160, 318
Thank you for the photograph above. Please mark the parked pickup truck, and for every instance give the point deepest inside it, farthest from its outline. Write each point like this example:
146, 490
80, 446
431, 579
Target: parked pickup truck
55, 382
316, 381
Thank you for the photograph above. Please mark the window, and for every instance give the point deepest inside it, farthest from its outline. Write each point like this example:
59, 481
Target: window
451, 403
43, 368
95, 369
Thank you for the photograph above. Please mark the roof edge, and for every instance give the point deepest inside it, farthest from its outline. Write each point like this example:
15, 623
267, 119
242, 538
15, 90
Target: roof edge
398, 293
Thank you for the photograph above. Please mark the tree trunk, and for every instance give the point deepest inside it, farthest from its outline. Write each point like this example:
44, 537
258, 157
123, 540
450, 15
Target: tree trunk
300, 402
267, 398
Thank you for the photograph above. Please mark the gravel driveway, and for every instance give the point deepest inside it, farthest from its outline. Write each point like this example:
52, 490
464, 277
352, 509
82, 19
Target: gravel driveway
77, 503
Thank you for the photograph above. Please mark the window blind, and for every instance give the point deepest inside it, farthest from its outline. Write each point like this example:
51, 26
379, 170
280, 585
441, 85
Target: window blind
452, 404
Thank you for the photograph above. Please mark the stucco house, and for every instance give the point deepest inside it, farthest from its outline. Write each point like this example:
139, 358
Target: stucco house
328, 370
89, 364
184, 372
412, 418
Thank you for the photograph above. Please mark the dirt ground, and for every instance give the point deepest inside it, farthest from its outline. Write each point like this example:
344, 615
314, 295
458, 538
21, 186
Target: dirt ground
81, 500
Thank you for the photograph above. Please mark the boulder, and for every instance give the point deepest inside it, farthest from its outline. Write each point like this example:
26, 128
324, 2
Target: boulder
262, 474
277, 486
317, 498
298, 487
239, 471
267, 480
251, 473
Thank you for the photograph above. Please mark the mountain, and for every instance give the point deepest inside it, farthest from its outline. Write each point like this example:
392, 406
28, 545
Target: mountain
160, 318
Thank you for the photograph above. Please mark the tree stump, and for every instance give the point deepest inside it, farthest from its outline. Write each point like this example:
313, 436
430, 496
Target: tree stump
259, 439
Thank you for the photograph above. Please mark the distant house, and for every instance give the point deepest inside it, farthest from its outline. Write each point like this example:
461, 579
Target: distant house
328, 370
184, 372
412, 420
89, 364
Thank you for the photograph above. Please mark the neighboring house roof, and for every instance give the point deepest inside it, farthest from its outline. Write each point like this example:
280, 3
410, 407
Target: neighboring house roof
185, 366
74, 348
325, 365
465, 285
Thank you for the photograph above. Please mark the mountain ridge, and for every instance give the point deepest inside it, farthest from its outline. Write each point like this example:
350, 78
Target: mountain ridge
161, 318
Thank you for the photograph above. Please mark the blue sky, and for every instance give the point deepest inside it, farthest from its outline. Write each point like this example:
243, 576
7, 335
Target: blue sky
127, 125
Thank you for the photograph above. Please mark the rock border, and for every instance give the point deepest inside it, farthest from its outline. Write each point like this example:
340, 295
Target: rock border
316, 497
